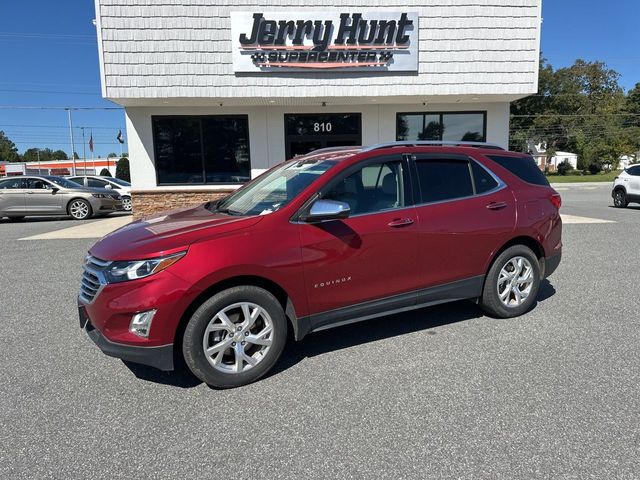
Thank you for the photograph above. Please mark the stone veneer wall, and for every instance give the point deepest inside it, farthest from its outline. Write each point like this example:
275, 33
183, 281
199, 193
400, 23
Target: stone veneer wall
148, 202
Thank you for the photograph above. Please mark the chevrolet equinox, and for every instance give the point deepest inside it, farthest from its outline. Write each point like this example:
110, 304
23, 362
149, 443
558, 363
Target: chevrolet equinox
337, 236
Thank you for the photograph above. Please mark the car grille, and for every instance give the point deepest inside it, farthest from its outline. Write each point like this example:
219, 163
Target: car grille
115, 196
92, 278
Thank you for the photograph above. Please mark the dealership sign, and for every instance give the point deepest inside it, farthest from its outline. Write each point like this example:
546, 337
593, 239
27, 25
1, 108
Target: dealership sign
374, 40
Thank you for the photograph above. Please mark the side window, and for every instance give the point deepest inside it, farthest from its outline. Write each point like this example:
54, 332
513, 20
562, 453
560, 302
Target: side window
37, 184
443, 179
78, 180
483, 179
12, 184
95, 183
373, 188
523, 167
635, 171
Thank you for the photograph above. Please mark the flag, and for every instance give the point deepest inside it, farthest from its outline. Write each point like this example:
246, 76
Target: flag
91, 143
119, 137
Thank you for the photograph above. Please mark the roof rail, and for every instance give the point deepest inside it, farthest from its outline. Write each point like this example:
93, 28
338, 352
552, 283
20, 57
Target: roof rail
442, 143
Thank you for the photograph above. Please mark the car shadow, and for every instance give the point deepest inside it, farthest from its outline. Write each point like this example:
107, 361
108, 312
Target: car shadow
628, 207
424, 319
62, 218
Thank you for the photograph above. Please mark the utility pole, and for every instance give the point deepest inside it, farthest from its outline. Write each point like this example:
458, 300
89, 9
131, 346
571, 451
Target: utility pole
73, 148
38, 152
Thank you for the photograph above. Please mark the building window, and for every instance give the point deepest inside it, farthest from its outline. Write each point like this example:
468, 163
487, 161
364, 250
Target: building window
201, 149
449, 126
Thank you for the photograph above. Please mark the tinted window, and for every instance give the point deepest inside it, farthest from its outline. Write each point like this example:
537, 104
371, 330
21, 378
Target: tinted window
443, 180
37, 184
483, 179
211, 149
635, 171
13, 183
523, 167
449, 126
78, 180
373, 188
95, 183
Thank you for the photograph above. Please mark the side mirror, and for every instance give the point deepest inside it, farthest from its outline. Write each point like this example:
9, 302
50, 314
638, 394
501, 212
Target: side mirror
323, 210
108, 187
54, 190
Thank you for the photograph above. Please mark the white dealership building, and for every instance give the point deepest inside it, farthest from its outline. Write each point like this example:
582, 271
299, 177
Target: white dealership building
217, 91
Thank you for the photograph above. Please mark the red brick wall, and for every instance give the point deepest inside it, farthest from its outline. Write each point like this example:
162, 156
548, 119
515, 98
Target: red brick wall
147, 202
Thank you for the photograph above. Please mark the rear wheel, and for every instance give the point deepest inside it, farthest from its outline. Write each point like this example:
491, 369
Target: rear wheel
79, 209
235, 337
512, 284
620, 198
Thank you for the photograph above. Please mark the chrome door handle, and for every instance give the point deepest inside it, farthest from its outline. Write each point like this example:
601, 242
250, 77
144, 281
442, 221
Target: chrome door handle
496, 205
400, 222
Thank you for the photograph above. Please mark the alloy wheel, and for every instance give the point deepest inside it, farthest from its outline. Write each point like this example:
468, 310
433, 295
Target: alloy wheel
238, 337
79, 209
126, 204
619, 198
515, 282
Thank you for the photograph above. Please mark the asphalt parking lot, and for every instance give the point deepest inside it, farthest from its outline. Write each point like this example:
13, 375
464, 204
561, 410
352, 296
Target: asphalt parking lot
443, 392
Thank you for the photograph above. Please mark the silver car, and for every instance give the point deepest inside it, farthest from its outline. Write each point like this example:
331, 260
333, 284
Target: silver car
48, 195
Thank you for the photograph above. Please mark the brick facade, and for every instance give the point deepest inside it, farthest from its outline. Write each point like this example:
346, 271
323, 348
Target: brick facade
148, 202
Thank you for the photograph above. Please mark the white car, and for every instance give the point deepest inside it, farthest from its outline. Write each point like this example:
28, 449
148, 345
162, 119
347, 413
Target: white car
110, 183
626, 187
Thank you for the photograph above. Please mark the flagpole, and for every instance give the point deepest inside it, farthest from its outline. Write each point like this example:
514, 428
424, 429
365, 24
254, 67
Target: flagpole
93, 160
73, 148
84, 152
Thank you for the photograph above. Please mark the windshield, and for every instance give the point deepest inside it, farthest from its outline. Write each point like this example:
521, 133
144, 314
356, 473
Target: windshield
118, 181
275, 190
63, 182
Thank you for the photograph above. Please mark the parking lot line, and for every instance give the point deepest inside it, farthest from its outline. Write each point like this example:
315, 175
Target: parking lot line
97, 229
568, 219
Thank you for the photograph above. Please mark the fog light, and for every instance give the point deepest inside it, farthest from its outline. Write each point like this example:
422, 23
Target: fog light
141, 323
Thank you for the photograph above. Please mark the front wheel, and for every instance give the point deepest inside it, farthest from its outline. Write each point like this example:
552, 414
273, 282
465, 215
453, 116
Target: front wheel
235, 337
512, 284
79, 209
620, 199
126, 204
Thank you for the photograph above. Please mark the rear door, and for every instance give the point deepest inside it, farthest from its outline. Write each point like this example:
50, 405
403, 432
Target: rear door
369, 256
12, 195
465, 213
634, 180
42, 197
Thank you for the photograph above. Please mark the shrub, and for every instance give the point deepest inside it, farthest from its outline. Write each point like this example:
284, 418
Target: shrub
594, 168
564, 167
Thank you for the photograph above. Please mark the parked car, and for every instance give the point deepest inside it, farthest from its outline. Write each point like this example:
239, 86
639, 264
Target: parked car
23, 196
110, 183
626, 187
337, 236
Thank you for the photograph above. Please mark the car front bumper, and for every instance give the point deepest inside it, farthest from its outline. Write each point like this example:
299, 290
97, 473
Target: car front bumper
106, 205
160, 357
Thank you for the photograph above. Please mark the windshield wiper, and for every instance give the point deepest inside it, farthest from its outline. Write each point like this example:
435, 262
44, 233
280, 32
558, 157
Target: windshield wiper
228, 211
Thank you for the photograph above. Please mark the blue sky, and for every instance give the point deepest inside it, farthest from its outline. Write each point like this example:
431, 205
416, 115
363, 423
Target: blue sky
50, 58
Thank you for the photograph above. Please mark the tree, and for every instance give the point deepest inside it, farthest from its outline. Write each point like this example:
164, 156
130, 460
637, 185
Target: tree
122, 169
75, 156
105, 172
8, 149
112, 155
59, 155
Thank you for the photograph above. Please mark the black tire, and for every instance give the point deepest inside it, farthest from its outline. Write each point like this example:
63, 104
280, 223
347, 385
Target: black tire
192, 342
85, 212
490, 301
620, 198
16, 219
126, 204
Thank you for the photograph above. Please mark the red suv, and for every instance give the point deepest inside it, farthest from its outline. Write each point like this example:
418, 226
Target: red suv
337, 236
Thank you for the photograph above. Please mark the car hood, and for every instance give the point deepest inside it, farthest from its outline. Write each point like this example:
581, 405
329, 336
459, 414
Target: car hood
167, 233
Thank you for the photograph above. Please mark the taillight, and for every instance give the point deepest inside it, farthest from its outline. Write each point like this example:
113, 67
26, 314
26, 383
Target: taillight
556, 200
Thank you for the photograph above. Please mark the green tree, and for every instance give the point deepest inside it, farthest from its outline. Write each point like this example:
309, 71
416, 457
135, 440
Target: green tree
564, 167
59, 155
112, 155
122, 169
8, 149
75, 156
105, 172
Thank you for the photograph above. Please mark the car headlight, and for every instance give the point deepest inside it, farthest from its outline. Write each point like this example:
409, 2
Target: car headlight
134, 269
99, 195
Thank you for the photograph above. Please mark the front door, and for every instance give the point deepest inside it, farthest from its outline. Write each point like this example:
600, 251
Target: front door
42, 197
369, 256
307, 132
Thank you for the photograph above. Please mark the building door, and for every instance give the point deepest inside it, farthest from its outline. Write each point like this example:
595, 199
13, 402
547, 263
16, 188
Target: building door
309, 131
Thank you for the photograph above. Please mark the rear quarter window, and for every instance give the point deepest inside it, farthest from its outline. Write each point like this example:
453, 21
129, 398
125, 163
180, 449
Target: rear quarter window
524, 168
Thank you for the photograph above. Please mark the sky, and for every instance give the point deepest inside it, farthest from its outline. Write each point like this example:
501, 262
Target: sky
50, 59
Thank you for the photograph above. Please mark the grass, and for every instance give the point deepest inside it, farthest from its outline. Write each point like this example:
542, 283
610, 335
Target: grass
598, 177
